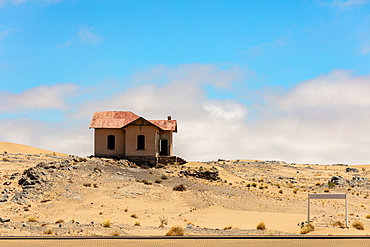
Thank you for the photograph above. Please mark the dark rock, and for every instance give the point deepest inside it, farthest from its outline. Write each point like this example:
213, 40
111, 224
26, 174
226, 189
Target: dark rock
338, 180
350, 169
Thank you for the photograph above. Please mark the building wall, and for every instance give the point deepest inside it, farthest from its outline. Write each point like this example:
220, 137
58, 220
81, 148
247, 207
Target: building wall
101, 142
150, 133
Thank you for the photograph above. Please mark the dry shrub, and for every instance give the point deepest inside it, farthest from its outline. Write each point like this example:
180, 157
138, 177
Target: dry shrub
308, 228
338, 223
326, 190
261, 226
134, 216
367, 216
115, 233
32, 219
163, 220
281, 191
176, 231
228, 228
295, 190
59, 221
358, 225
137, 223
180, 187
48, 231
106, 223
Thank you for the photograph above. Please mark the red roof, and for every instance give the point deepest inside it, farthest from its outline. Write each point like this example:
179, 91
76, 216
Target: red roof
120, 119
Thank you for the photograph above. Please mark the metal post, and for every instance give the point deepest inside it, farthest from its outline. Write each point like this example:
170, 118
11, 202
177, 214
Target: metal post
308, 215
346, 212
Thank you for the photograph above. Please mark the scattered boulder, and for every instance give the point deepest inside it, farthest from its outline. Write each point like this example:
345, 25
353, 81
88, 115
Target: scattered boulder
202, 173
2, 220
338, 180
359, 179
350, 169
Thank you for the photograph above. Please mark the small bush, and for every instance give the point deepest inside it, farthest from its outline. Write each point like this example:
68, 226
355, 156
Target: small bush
331, 185
326, 190
228, 228
281, 191
5, 159
32, 219
163, 220
59, 221
106, 223
254, 185
134, 216
295, 190
307, 229
158, 181
176, 231
164, 177
358, 225
261, 226
48, 231
115, 233
338, 223
367, 216
180, 187
137, 223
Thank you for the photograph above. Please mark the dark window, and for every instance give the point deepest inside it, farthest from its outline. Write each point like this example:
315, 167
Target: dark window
111, 142
140, 142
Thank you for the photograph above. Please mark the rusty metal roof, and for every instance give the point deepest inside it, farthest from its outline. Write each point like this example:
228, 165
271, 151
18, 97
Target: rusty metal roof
112, 119
120, 119
170, 125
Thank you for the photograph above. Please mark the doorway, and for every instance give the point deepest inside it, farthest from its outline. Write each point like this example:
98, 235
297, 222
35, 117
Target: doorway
163, 148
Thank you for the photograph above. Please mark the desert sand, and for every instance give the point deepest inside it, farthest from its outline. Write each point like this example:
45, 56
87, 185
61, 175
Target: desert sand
44, 193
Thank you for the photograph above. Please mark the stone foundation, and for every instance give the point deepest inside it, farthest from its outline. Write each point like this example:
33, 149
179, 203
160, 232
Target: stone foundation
153, 161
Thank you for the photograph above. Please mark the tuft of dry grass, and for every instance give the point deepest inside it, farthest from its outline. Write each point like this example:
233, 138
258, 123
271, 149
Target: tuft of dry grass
308, 228
163, 220
134, 216
338, 223
261, 226
48, 231
106, 223
176, 231
358, 225
32, 219
180, 187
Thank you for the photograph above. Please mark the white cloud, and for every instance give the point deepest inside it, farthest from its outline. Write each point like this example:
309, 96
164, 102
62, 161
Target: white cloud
41, 97
322, 120
342, 4
17, 2
86, 35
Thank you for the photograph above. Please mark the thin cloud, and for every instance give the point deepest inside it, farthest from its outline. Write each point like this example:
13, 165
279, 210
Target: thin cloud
84, 35
42, 97
343, 4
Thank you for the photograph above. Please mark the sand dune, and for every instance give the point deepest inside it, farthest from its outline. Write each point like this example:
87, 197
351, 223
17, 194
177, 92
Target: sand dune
14, 148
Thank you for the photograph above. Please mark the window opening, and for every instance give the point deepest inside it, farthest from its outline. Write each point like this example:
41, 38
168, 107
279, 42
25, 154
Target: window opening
111, 142
140, 142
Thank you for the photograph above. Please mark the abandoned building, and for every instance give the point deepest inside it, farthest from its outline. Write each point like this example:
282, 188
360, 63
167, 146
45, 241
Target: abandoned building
123, 134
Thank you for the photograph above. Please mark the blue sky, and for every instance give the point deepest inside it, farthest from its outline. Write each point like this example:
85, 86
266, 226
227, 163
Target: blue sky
283, 80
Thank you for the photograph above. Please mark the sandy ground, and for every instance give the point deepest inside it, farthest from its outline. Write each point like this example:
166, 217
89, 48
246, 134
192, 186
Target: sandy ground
75, 196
